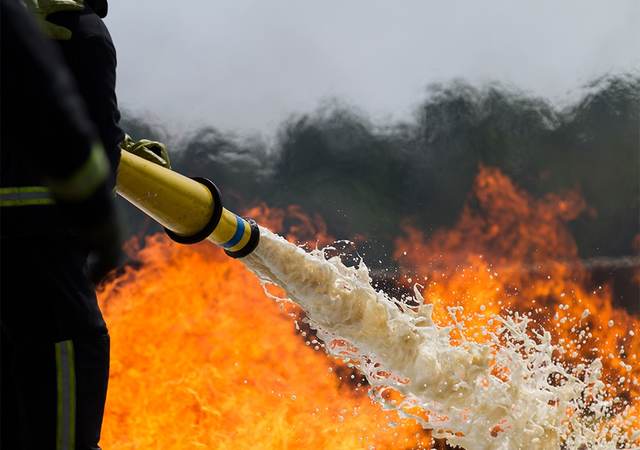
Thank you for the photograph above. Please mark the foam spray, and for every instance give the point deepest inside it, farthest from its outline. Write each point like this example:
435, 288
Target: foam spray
506, 393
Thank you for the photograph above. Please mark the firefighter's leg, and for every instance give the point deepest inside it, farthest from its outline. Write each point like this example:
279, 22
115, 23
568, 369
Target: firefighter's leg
33, 378
61, 352
92, 375
9, 422
60, 394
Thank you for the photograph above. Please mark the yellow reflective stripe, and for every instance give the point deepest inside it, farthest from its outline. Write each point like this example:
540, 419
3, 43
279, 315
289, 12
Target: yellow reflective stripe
84, 182
66, 380
13, 190
25, 196
31, 202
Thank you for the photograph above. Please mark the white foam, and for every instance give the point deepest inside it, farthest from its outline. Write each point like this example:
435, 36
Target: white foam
536, 404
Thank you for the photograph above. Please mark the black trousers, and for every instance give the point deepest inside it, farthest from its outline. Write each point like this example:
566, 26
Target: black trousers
55, 348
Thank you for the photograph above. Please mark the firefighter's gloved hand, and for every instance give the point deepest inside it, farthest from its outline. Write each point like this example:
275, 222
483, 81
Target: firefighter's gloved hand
85, 198
153, 151
104, 241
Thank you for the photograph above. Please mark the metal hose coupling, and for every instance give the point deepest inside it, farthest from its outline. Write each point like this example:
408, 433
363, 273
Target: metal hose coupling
189, 209
237, 235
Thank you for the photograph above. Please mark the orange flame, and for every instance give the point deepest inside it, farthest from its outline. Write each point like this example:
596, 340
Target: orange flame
201, 358
510, 251
301, 227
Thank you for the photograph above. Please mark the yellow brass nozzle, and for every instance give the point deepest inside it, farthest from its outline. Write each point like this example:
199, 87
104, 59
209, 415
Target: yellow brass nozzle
190, 209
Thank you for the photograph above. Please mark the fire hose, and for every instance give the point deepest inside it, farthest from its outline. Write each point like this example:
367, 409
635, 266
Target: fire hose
189, 209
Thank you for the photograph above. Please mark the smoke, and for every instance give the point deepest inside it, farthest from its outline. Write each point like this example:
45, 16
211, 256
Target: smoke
368, 178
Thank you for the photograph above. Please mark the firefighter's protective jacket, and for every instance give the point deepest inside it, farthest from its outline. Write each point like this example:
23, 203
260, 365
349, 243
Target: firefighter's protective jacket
50, 152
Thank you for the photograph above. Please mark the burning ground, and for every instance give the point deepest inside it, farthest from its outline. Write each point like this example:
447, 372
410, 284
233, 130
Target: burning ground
203, 359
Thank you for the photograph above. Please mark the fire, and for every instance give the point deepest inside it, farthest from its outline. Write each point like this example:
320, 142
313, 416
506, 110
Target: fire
201, 358
300, 227
510, 251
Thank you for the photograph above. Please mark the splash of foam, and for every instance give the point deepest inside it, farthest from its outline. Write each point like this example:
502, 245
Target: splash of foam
507, 393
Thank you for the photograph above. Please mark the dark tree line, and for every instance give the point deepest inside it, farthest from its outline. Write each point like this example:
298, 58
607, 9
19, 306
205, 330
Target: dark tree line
364, 178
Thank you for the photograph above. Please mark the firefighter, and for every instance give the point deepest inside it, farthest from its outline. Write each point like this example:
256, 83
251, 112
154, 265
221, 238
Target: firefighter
56, 208
59, 148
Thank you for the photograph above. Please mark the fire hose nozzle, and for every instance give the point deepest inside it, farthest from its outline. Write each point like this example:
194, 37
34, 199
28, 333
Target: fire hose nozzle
189, 209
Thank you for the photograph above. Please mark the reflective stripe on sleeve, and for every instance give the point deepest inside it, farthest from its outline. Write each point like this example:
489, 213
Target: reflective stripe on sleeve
25, 196
66, 380
84, 181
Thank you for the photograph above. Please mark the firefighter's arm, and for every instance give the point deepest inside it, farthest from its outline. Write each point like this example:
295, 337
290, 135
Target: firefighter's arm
86, 198
66, 150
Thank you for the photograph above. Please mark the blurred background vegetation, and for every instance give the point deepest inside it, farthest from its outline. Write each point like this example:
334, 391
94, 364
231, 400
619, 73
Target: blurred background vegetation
366, 178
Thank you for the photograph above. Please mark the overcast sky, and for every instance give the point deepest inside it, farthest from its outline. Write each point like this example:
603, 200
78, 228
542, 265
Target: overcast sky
245, 65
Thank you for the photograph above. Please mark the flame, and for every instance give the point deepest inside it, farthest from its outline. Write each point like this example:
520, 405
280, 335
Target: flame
510, 251
201, 358
300, 226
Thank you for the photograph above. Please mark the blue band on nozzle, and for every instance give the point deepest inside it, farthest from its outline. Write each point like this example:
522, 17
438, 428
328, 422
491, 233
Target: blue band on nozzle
254, 240
237, 237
